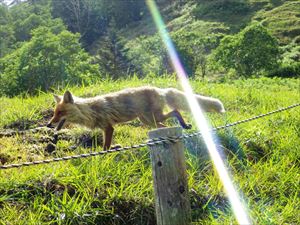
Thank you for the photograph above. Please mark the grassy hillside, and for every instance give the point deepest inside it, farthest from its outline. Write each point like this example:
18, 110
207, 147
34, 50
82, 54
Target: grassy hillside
232, 14
209, 18
117, 188
283, 21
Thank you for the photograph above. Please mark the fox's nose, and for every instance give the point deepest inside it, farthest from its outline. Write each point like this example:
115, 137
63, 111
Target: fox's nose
49, 125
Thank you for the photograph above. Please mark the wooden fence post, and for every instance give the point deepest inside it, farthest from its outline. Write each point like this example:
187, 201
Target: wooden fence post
172, 203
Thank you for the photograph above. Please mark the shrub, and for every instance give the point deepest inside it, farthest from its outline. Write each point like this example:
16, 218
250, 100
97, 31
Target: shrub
287, 70
193, 48
250, 52
148, 55
46, 60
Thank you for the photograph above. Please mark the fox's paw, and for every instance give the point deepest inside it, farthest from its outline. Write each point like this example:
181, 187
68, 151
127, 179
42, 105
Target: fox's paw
187, 126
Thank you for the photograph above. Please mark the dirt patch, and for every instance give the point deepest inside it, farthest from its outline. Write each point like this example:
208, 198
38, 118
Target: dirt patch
42, 135
46, 116
85, 140
22, 124
26, 124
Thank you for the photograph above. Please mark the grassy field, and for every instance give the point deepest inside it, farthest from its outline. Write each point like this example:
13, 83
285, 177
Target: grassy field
263, 156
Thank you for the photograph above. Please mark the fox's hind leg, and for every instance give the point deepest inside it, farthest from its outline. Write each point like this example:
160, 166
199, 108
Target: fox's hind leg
175, 113
156, 118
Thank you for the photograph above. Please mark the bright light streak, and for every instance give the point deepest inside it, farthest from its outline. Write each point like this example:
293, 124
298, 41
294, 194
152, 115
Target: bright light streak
201, 122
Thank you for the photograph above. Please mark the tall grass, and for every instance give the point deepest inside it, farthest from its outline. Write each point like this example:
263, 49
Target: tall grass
263, 156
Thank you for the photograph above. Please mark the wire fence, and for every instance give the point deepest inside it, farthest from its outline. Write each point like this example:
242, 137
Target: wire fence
151, 142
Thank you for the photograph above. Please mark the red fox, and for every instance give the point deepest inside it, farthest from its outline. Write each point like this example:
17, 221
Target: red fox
145, 103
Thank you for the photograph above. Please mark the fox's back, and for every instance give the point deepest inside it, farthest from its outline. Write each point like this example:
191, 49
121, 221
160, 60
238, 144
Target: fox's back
129, 103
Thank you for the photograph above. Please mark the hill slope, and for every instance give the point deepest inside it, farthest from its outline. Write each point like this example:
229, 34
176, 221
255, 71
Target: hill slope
212, 19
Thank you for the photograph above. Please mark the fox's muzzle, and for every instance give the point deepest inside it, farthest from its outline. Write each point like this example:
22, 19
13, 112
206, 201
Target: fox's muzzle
59, 126
49, 125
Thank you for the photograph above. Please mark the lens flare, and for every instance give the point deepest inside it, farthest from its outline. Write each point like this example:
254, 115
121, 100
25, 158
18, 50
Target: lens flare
201, 122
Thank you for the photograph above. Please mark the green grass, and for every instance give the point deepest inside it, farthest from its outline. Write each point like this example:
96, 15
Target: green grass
117, 188
283, 21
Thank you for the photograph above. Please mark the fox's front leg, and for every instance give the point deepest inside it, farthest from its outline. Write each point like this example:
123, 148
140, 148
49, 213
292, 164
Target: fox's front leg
108, 133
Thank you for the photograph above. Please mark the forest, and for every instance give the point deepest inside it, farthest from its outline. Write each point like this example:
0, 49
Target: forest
45, 44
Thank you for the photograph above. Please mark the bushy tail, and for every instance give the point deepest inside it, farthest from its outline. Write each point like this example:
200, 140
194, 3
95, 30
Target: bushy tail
176, 99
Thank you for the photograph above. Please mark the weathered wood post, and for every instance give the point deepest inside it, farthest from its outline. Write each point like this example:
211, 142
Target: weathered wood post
172, 202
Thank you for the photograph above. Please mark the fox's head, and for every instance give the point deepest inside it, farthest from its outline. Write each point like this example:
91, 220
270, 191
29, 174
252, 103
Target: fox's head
64, 112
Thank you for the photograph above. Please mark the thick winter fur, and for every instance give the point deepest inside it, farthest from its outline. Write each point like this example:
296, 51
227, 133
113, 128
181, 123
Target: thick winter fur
145, 103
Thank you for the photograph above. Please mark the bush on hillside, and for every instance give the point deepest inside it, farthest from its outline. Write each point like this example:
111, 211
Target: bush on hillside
148, 55
286, 70
46, 60
194, 48
250, 52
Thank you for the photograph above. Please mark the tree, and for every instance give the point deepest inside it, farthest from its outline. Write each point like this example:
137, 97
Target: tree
193, 48
29, 15
125, 12
47, 60
87, 17
149, 55
92, 18
6, 31
250, 52
6, 39
111, 54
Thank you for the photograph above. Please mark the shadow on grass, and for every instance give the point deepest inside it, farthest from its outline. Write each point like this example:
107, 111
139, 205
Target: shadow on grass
26, 124
103, 211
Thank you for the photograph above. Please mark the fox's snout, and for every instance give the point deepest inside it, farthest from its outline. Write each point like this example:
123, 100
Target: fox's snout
49, 124
58, 116
52, 122
59, 123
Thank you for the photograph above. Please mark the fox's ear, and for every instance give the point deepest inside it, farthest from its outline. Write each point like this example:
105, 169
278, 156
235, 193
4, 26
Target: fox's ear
68, 98
57, 98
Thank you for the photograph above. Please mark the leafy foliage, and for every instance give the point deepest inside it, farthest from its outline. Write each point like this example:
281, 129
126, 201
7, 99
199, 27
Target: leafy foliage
92, 18
194, 48
6, 32
125, 12
89, 18
250, 52
149, 55
111, 56
121, 36
287, 70
29, 16
46, 60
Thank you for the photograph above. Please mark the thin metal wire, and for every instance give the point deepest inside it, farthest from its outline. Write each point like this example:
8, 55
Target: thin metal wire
151, 142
